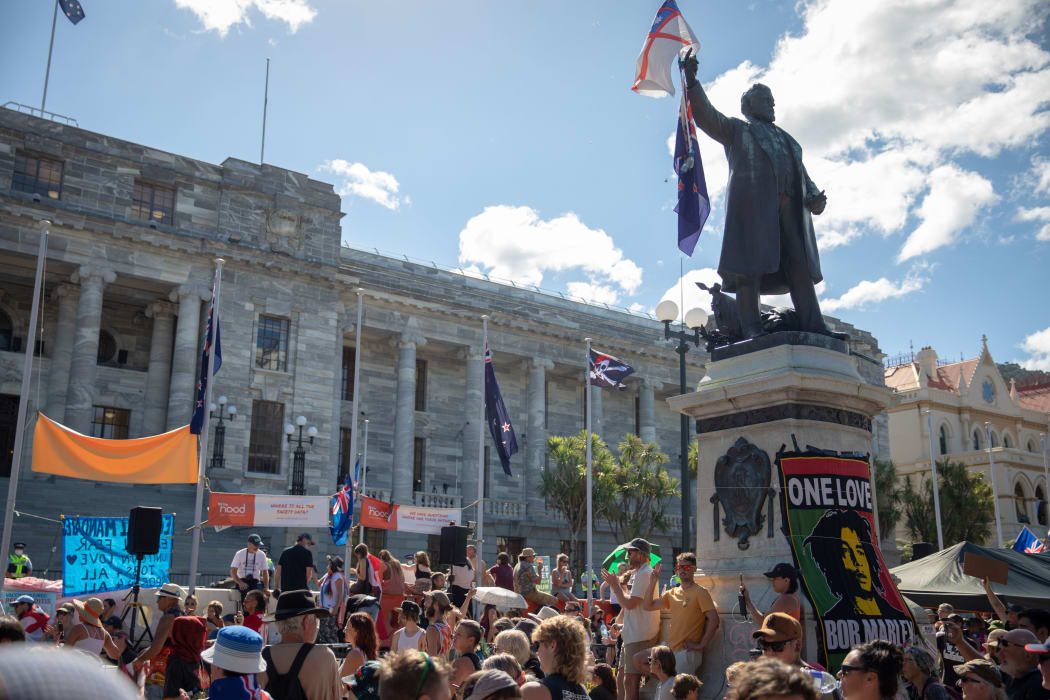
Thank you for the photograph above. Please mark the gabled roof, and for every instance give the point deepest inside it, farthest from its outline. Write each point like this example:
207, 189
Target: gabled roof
902, 377
1035, 397
906, 377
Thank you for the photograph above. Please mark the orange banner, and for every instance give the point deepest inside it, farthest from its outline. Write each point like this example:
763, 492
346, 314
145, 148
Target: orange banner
168, 458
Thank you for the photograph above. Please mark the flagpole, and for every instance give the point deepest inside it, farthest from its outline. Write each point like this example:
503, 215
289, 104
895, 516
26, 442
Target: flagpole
995, 488
936, 483
355, 404
587, 483
363, 479
202, 446
1046, 489
480, 536
47, 73
266, 100
23, 397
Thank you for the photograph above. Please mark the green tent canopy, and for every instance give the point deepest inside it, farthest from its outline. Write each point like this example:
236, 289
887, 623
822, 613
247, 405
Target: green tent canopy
619, 555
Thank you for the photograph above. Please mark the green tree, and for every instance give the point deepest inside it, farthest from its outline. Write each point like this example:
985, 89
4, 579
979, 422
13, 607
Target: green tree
641, 490
887, 496
563, 483
967, 508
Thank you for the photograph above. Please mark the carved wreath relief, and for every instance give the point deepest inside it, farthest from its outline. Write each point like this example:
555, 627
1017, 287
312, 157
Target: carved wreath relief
742, 477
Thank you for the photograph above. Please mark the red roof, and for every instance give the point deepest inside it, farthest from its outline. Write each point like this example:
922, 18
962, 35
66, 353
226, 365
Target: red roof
906, 377
1035, 397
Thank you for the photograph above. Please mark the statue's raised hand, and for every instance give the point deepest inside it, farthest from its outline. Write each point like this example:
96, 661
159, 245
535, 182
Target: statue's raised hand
817, 203
689, 64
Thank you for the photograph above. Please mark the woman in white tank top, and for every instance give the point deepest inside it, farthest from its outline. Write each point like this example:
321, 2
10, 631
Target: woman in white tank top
411, 636
89, 636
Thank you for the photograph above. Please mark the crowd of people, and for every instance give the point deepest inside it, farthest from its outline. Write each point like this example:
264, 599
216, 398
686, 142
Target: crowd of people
393, 630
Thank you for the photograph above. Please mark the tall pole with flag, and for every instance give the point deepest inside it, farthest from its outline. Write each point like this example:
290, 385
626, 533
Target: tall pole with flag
75, 13
587, 479
364, 480
23, 397
480, 535
199, 424
355, 404
936, 483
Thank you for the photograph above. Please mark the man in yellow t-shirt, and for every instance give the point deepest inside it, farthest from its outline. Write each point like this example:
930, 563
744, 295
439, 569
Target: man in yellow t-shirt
694, 619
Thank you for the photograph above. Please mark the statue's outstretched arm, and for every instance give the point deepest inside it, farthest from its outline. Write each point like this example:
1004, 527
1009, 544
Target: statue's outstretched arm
712, 122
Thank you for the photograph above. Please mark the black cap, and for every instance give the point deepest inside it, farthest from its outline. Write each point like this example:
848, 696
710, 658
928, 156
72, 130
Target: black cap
305, 536
296, 603
1011, 607
639, 544
255, 539
782, 569
19, 545
526, 626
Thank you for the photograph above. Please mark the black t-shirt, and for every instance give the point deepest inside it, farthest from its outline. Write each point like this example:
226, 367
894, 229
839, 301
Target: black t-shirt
950, 657
599, 692
1027, 687
294, 562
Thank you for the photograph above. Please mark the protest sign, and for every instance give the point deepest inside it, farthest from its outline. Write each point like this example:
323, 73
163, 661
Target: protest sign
44, 601
827, 512
251, 510
403, 518
95, 558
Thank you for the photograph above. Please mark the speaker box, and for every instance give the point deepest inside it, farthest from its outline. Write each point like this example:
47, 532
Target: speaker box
144, 526
453, 545
922, 549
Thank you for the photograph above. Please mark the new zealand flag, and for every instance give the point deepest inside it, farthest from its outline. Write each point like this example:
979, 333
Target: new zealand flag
200, 411
72, 10
496, 416
343, 507
607, 371
694, 204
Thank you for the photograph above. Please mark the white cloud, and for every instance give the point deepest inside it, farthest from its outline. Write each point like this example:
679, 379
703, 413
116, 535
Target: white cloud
1040, 175
951, 205
685, 288
593, 293
1039, 214
220, 15
1037, 345
514, 243
867, 292
637, 308
785, 299
359, 181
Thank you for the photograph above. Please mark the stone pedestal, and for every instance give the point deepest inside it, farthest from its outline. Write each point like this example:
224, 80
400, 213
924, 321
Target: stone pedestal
772, 397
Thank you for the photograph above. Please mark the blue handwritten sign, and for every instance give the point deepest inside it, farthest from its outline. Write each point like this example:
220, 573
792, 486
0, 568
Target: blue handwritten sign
96, 559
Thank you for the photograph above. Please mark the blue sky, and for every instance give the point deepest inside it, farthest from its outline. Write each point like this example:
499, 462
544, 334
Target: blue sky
503, 137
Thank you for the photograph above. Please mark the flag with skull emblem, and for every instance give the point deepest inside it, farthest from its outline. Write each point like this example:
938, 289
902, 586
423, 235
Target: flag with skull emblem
607, 371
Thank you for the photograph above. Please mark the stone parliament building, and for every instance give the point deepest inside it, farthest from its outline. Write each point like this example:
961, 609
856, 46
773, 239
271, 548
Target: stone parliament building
134, 235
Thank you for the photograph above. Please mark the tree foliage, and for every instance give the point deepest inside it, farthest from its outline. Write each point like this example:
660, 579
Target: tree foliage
641, 490
967, 506
887, 496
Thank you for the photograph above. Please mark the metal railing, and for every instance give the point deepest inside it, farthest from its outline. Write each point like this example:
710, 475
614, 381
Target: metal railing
43, 114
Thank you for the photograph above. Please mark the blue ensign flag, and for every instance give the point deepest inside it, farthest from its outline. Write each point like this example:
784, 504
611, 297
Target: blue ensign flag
72, 10
343, 507
694, 204
1027, 542
200, 411
607, 371
497, 418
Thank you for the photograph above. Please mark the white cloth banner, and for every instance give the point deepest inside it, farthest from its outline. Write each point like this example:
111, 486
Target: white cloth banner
258, 510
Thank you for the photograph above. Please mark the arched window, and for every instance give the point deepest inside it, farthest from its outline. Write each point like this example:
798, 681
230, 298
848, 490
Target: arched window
1006, 441
1031, 446
995, 440
944, 440
1040, 505
107, 347
1019, 506
976, 439
7, 332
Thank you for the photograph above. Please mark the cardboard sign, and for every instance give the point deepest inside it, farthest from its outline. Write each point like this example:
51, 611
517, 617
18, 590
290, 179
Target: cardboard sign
404, 518
95, 558
985, 567
251, 510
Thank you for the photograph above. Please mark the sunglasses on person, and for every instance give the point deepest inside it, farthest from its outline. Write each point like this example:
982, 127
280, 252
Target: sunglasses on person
1003, 643
1043, 657
772, 646
846, 668
685, 567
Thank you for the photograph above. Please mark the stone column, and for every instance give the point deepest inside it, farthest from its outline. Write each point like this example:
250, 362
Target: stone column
472, 441
596, 409
536, 449
405, 414
158, 376
62, 352
181, 394
83, 366
646, 410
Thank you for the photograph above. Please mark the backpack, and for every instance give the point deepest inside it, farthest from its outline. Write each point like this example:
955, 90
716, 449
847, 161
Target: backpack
286, 686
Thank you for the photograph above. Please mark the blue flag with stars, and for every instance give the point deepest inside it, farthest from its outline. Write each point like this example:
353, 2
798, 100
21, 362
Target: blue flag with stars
694, 204
72, 10
497, 418
200, 411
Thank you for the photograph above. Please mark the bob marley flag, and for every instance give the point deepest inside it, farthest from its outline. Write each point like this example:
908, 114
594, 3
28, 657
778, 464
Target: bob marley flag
827, 506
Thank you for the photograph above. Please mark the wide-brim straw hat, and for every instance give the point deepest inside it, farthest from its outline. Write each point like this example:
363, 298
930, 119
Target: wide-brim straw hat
90, 611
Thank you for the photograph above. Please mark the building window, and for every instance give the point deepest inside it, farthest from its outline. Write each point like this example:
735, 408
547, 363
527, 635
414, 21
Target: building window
510, 545
944, 441
346, 461
1040, 505
349, 360
7, 332
637, 415
418, 458
995, 440
1019, 507
37, 176
486, 461
976, 439
421, 385
152, 203
264, 445
110, 423
1006, 441
271, 344
107, 347
375, 539
1031, 446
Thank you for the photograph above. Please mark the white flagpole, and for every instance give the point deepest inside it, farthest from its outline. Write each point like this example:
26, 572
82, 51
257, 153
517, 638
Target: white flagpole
480, 537
936, 483
202, 447
355, 407
23, 397
47, 73
995, 488
363, 479
587, 437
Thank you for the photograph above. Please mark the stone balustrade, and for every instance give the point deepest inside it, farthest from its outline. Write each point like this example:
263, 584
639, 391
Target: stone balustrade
513, 510
378, 494
436, 500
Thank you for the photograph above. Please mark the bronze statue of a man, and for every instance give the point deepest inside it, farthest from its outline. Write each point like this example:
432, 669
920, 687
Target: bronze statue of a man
769, 246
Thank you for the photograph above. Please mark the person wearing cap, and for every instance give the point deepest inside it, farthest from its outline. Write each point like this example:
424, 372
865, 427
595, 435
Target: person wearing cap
1042, 653
991, 645
780, 637
413, 675
1019, 666
641, 626
980, 680
18, 564
33, 619
694, 619
1006, 613
527, 575
297, 658
235, 658
490, 684
169, 599
784, 579
248, 568
410, 635
56, 632
295, 567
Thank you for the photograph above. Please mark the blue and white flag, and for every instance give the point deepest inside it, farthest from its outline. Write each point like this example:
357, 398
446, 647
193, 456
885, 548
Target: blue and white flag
72, 10
200, 411
497, 417
1027, 542
694, 204
607, 371
343, 507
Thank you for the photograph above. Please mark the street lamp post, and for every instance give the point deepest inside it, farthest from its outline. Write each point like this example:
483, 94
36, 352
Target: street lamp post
218, 454
299, 455
995, 486
667, 311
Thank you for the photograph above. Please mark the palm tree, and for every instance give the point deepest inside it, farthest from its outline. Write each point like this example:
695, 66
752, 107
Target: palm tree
967, 506
887, 497
642, 488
